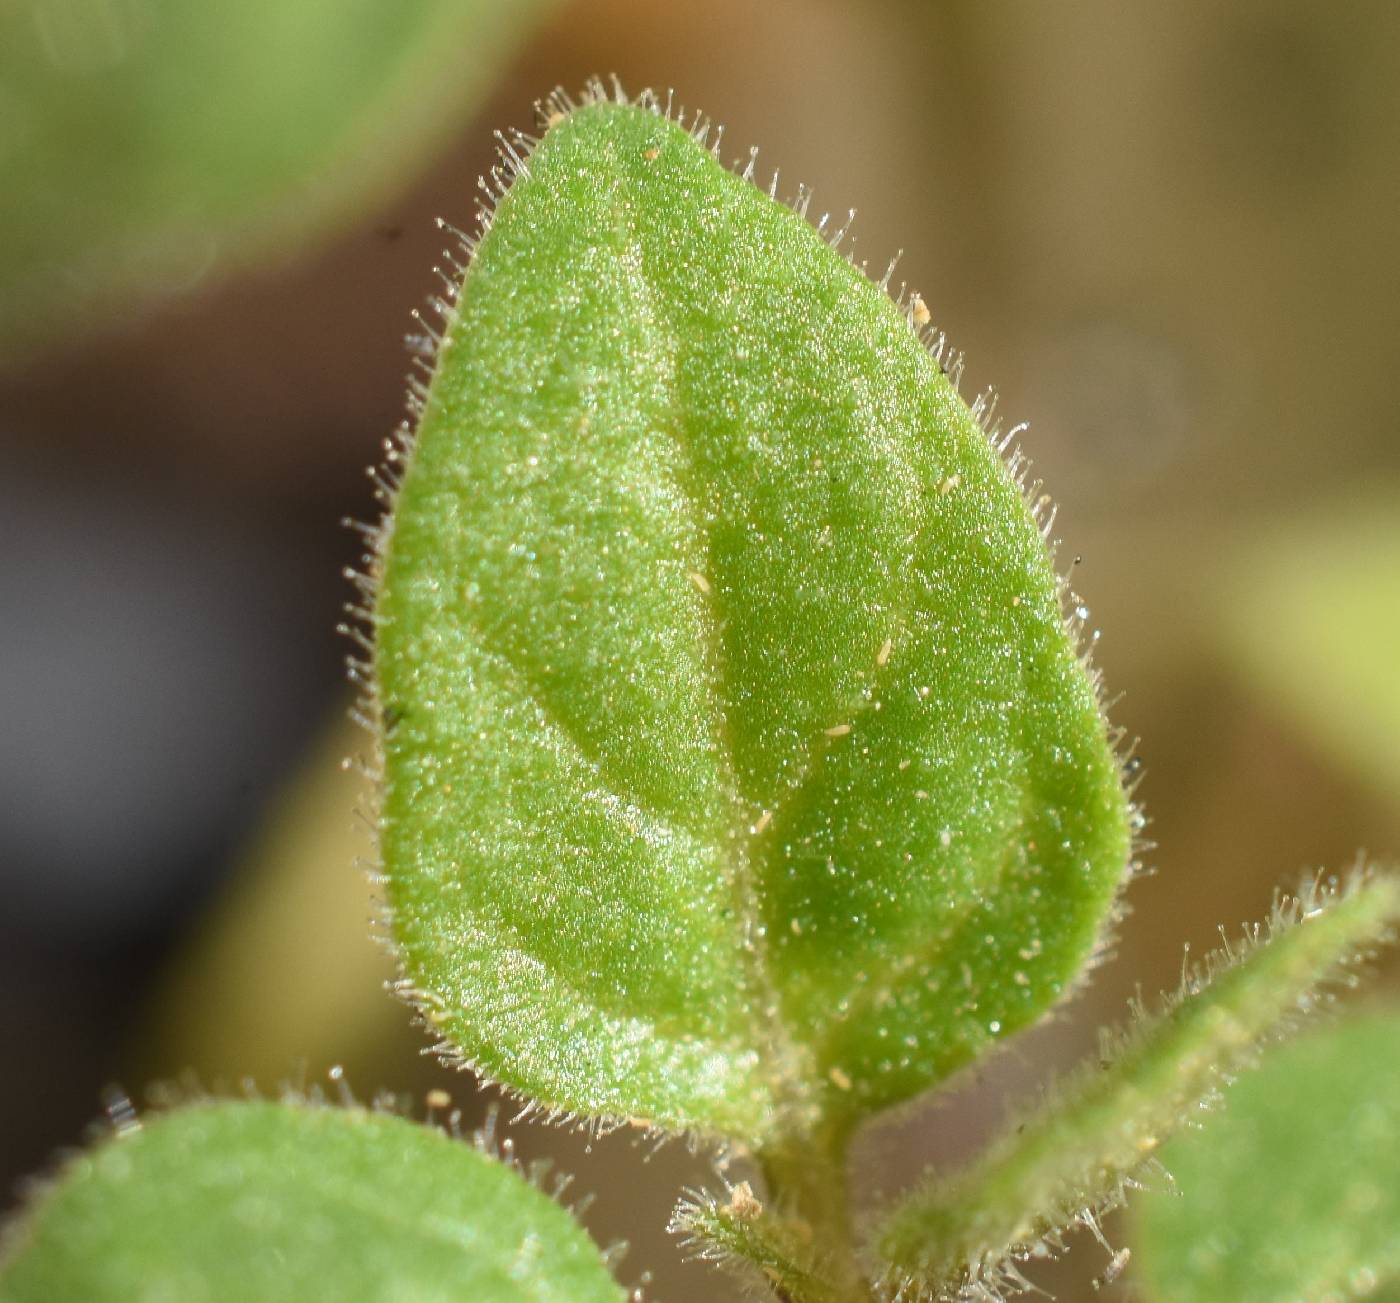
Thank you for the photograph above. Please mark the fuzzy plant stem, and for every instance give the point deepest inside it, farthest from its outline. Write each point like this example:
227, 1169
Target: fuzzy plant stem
807, 1179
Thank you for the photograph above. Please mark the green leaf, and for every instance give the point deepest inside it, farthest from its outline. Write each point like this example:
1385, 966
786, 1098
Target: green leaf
740, 768
756, 1246
1079, 1153
1294, 1192
281, 969
224, 1202
145, 142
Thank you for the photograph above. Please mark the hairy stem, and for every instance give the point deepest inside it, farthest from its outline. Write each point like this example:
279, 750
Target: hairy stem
806, 1179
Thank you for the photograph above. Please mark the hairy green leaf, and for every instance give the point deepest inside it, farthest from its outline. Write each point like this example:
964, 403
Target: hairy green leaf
759, 1248
144, 142
1079, 1152
740, 767
224, 1202
1294, 1192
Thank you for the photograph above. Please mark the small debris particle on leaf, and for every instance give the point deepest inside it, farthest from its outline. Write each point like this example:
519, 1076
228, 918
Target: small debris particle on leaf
1116, 1267
743, 1204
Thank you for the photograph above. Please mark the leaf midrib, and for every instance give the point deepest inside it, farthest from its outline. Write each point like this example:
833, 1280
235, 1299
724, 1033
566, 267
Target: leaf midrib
792, 1081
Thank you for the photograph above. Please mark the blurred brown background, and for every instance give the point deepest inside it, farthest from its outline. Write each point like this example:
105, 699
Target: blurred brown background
1167, 233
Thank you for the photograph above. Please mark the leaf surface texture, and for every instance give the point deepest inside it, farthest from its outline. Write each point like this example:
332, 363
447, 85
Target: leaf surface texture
739, 765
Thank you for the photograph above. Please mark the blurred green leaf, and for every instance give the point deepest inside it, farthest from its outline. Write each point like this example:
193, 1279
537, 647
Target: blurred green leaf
1312, 617
283, 970
740, 769
145, 142
1294, 1191
226, 1202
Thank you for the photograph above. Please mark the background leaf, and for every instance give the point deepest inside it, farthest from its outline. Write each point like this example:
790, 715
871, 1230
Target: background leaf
144, 142
1311, 617
225, 1202
1294, 1191
740, 768
284, 973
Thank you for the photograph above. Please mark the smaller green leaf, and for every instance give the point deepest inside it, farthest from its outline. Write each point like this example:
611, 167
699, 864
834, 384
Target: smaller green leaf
1294, 1193
754, 1244
233, 1201
1084, 1147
